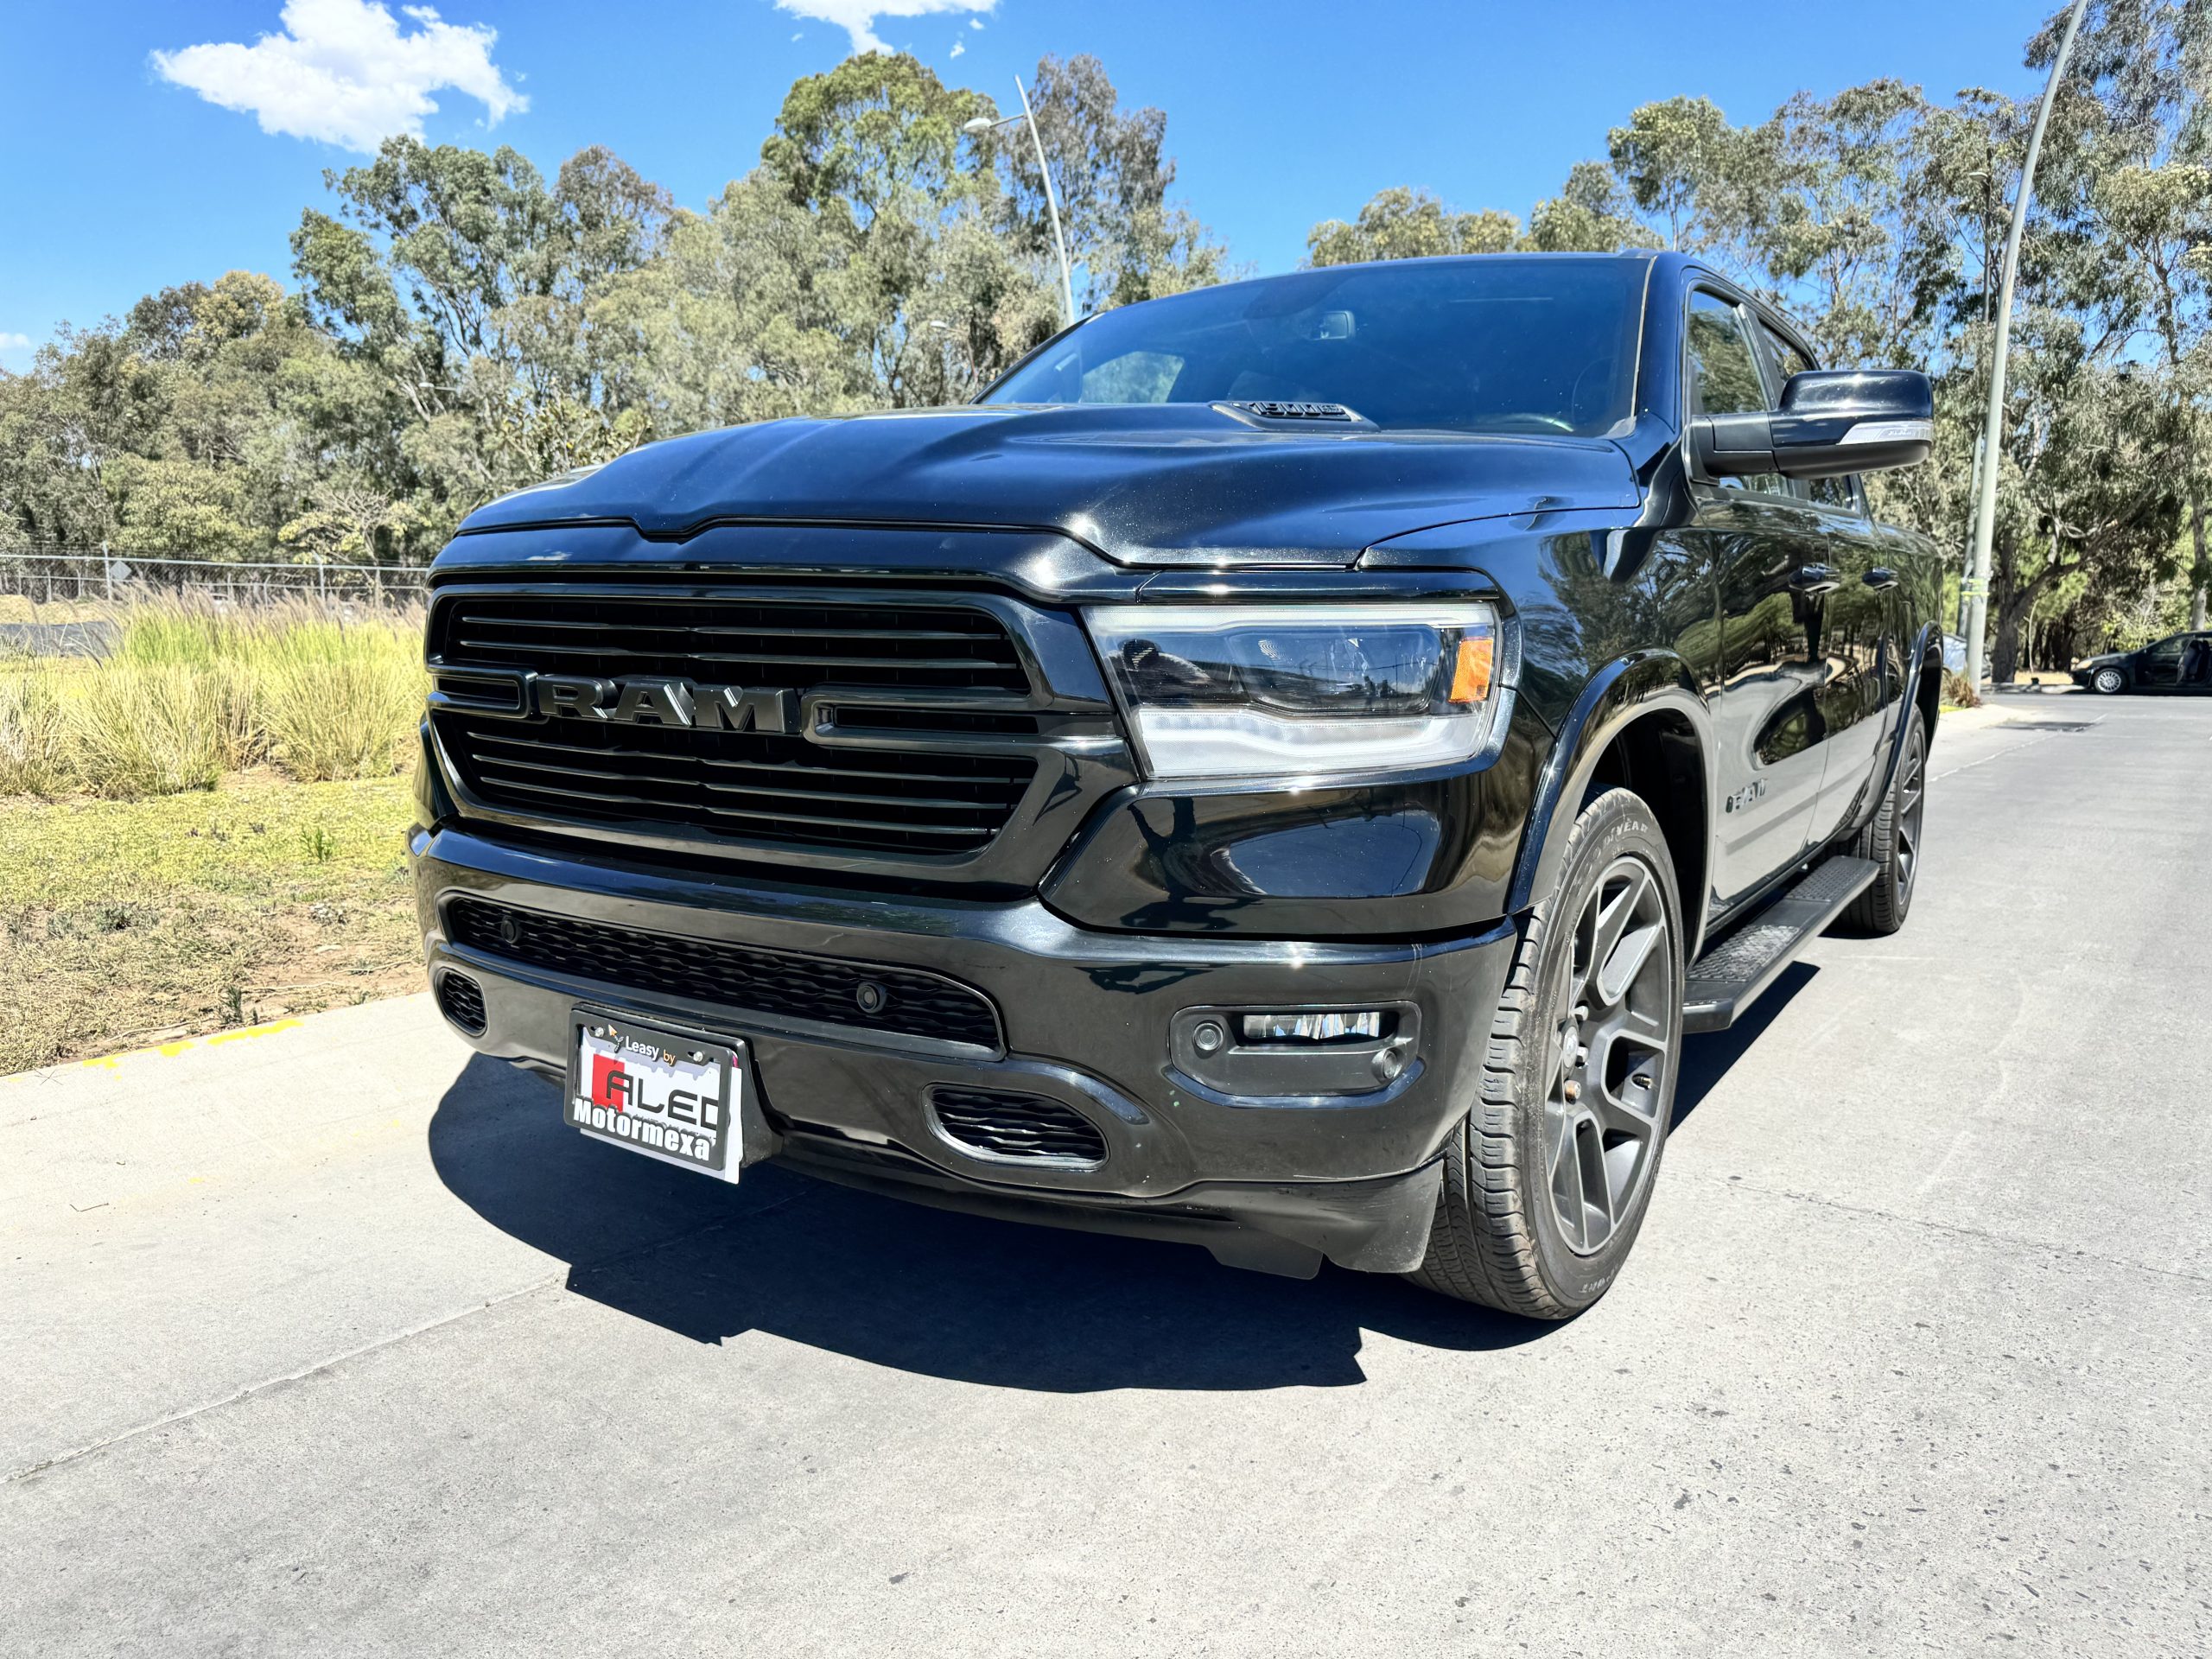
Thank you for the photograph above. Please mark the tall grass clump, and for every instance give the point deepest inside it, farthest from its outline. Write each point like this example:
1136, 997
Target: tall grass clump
336, 700
189, 692
34, 736
137, 730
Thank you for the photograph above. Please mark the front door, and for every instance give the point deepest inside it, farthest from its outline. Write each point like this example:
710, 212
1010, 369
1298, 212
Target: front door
1855, 623
1764, 686
2174, 664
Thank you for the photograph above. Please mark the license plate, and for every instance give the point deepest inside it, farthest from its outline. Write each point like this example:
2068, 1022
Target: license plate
665, 1094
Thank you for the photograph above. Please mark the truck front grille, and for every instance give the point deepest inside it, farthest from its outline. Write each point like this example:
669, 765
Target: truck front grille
901, 783
896, 1001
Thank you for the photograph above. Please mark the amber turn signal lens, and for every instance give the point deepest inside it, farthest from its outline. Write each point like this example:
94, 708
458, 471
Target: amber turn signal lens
1471, 676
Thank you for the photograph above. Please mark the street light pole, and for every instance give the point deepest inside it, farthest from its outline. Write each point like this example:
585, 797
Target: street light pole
984, 124
1052, 206
1993, 425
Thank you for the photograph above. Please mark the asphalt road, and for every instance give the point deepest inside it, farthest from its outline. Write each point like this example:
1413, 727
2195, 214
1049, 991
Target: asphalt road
332, 1340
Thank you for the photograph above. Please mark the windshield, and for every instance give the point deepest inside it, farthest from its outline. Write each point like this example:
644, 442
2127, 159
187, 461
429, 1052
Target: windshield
1507, 343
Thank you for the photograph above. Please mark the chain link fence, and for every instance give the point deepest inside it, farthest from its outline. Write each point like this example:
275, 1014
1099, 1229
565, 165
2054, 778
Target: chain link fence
46, 576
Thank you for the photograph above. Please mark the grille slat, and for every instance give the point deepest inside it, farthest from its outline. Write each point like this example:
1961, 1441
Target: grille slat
764, 631
739, 977
932, 802
907, 803
1018, 1129
813, 659
964, 832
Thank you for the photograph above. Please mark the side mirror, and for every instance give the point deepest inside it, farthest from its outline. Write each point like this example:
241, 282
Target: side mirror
1832, 421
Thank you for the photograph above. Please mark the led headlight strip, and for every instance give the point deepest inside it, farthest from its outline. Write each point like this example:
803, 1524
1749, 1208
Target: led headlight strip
1305, 691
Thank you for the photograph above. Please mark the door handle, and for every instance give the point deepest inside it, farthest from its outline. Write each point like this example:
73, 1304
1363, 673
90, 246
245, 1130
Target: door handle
1816, 579
1880, 576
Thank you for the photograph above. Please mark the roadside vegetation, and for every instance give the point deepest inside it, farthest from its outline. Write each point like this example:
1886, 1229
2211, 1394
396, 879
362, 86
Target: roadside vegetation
188, 693
201, 827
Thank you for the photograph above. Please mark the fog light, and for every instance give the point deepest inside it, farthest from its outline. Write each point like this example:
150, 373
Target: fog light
1312, 1028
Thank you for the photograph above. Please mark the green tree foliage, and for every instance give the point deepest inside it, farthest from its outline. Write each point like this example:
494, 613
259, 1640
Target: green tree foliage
1878, 217
1402, 224
464, 326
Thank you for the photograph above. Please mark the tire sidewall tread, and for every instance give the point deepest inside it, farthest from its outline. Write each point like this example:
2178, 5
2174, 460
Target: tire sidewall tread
1495, 1239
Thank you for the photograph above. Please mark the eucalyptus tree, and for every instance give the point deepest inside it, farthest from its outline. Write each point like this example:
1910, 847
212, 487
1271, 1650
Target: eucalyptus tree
1129, 238
462, 283
1403, 223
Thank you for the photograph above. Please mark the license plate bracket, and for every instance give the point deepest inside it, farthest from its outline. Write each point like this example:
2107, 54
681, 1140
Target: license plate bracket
663, 1093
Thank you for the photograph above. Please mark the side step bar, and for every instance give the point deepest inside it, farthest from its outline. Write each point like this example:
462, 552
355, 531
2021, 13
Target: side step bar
1732, 974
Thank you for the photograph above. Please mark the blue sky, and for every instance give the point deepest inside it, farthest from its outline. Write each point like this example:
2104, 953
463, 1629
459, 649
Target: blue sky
124, 171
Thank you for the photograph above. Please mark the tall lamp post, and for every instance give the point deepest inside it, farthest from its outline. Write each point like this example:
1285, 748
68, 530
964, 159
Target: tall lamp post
983, 124
1985, 519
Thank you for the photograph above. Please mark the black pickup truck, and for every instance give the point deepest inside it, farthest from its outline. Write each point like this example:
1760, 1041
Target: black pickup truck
1283, 770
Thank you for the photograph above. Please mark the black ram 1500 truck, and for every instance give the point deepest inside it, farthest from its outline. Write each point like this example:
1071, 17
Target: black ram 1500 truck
1283, 770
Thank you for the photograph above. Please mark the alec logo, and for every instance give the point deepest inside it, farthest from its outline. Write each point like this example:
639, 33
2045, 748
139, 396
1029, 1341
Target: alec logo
650, 702
630, 1088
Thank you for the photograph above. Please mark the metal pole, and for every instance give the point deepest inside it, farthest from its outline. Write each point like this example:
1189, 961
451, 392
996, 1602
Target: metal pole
1985, 524
1052, 206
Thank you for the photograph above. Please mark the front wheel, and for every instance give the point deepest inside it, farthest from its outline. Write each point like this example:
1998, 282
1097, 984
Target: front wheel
1891, 839
1546, 1180
2110, 681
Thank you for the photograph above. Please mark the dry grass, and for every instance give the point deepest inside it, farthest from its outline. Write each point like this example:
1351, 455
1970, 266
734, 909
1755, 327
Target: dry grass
123, 923
191, 692
203, 827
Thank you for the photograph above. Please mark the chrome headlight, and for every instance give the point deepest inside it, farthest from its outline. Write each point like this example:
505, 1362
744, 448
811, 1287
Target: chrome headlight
1304, 691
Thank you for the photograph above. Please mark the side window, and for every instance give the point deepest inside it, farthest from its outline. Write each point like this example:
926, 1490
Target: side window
1839, 493
1723, 375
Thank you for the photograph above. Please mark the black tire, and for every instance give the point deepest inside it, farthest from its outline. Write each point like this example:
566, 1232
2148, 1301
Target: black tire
2111, 682
1501, 1236
1891, 839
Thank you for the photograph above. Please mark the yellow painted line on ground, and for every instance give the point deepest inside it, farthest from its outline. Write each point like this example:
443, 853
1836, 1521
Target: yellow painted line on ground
110, 1062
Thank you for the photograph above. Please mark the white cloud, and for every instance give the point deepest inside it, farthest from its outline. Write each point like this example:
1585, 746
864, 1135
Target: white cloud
857, 17
958, 46
13, 342
341, 70
975, 22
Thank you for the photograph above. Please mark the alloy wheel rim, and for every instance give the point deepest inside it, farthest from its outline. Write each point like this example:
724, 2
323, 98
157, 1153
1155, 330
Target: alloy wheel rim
1608, 1064
1912, 800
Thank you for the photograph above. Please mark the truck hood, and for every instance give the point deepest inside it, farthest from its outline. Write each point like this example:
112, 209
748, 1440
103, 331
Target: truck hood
1167, 485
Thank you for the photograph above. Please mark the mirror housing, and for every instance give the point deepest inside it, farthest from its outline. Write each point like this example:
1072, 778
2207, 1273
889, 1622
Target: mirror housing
1832, 421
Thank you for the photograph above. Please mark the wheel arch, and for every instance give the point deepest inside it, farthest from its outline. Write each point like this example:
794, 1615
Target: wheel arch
1639, 724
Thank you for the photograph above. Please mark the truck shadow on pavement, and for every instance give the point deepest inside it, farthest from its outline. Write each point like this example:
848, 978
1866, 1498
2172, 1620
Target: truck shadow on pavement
900, 1284
1706, 1059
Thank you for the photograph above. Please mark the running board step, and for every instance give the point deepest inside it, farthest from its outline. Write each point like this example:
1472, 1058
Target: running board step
1732, 974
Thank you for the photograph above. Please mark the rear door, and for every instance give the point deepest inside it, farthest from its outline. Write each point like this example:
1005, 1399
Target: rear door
1855, 613
2196, 665
1768, 725
2157, 667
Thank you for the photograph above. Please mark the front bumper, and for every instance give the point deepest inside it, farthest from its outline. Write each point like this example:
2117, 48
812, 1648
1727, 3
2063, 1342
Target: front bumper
1097, 1021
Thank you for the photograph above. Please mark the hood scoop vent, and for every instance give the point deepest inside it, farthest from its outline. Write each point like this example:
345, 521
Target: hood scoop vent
1271, 411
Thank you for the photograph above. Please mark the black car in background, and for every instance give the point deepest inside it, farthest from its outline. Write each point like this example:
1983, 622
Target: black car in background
1283, 770
2180, 662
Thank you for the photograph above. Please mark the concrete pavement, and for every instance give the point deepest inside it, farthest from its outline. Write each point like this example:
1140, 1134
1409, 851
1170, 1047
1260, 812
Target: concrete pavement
330, 1339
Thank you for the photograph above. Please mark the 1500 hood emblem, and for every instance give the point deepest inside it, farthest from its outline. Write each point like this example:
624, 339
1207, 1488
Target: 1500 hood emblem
644, 701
